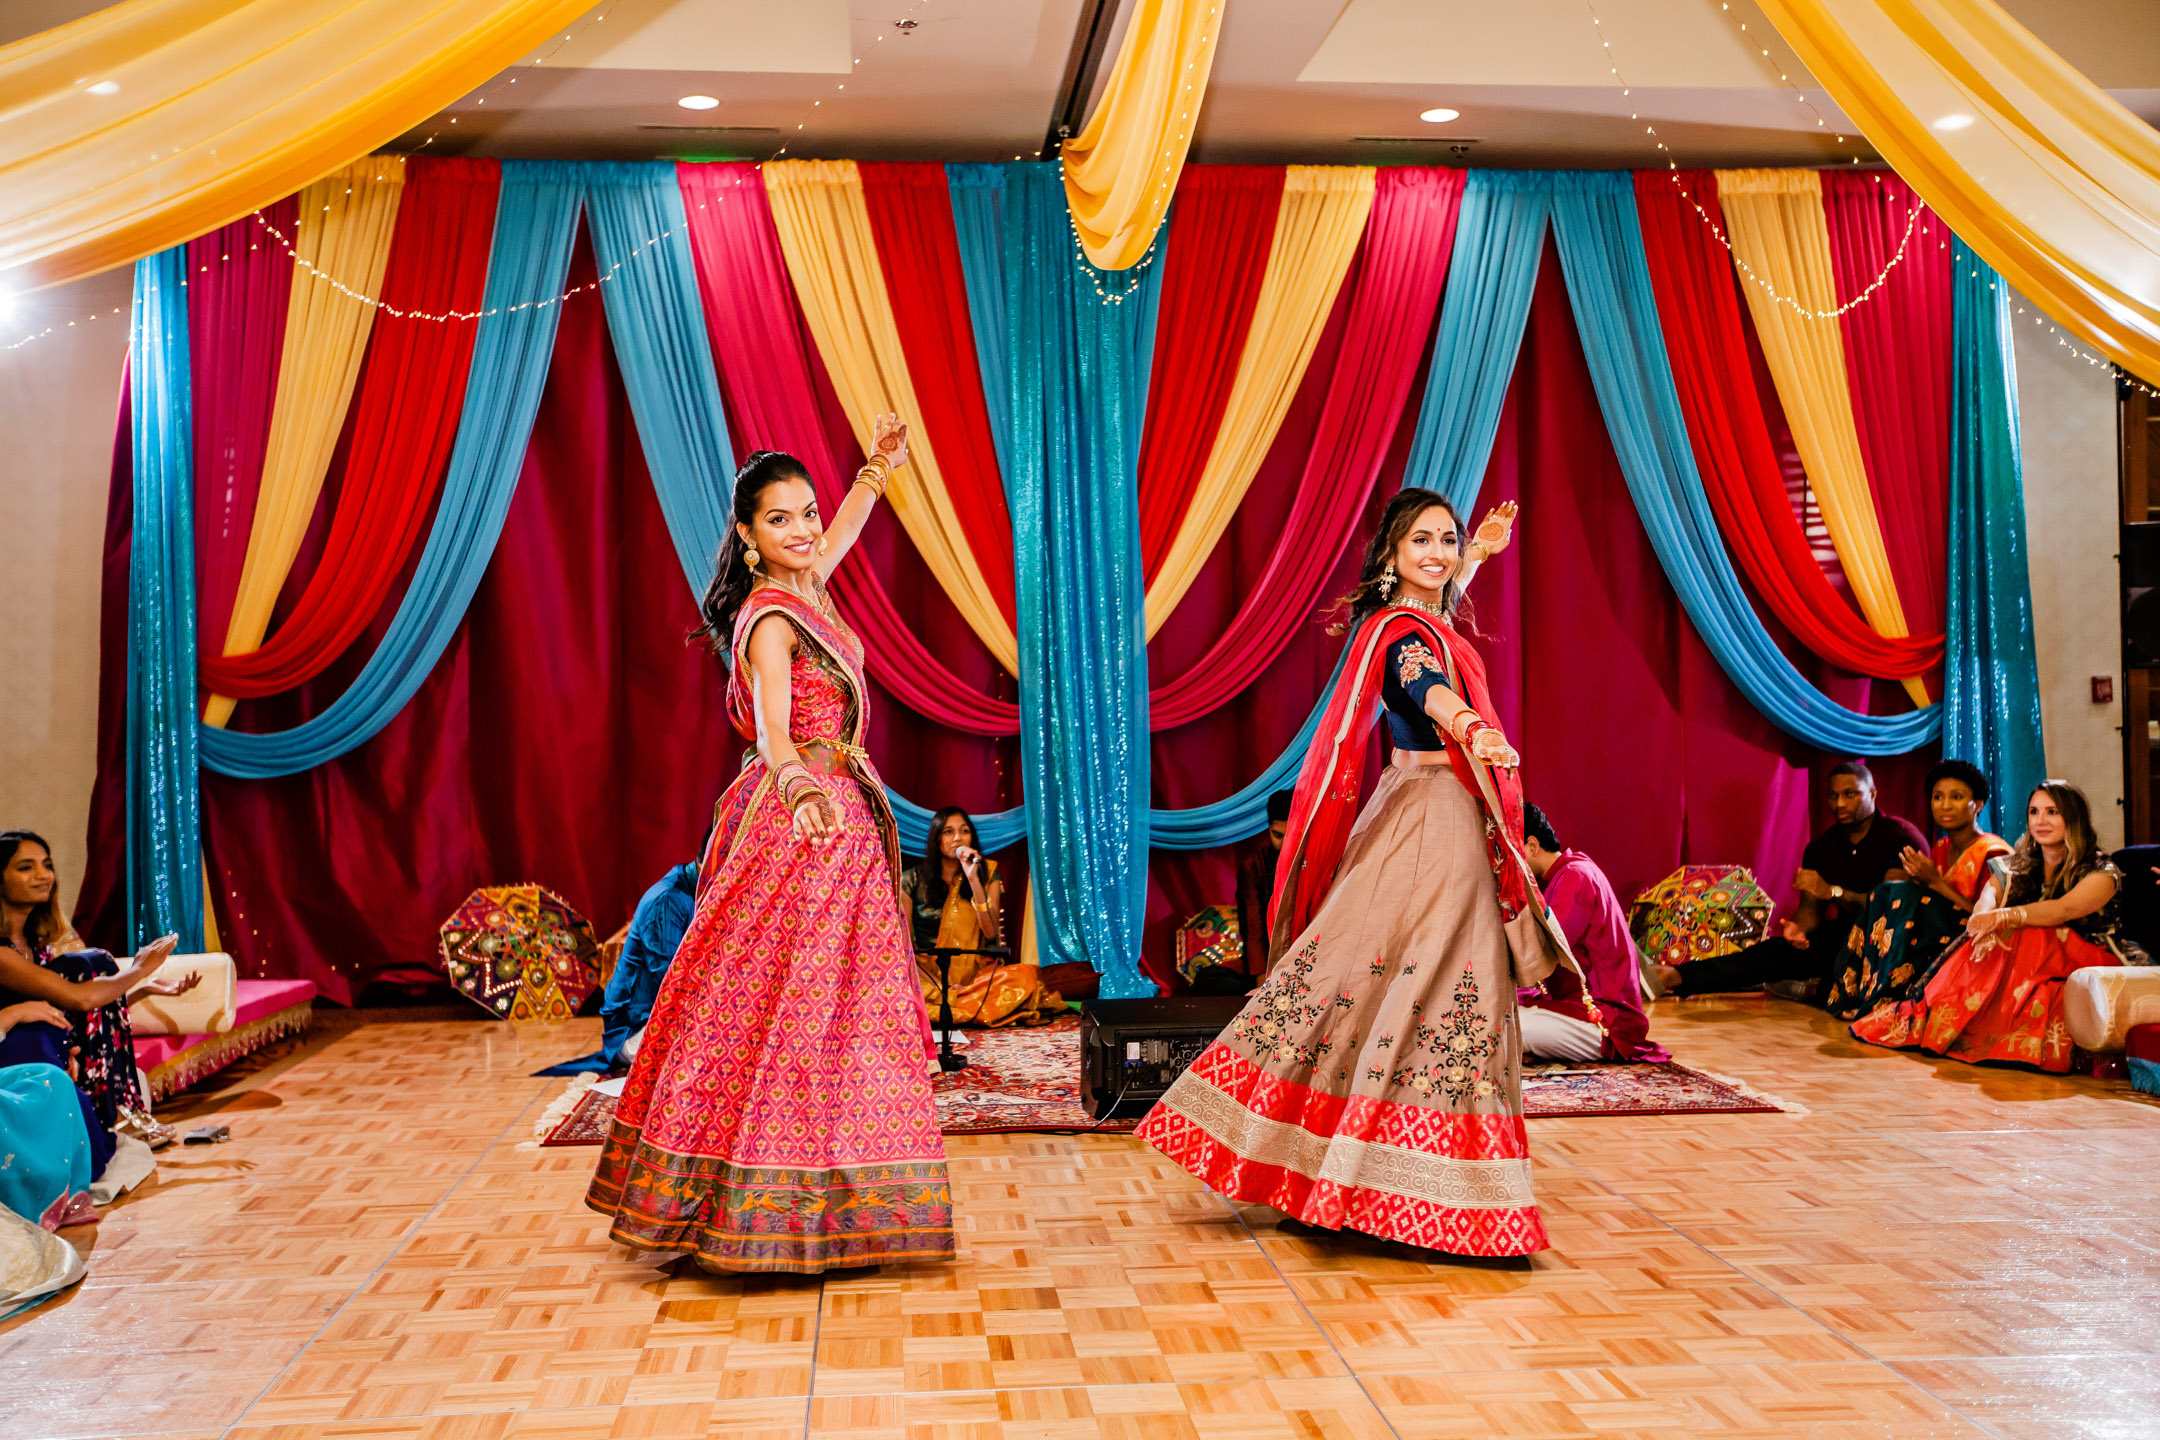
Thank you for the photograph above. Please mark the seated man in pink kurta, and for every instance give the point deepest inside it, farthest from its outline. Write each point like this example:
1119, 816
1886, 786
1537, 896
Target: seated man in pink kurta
1556, 1025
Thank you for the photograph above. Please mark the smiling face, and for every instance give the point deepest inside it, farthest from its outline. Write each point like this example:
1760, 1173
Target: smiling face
1428, 554
785, 527
1952, 804
2044, 820
29, 879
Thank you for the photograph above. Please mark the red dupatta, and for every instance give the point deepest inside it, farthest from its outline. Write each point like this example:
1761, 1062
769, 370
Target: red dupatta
1326, 805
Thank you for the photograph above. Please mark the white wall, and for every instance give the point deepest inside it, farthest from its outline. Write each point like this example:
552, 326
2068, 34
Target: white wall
58, 399
2066, 414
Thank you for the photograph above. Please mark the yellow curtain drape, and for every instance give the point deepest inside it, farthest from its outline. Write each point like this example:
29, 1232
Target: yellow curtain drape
1317, 230
817, 207
150, 122
2054, 184
1123, 166
344, 225
1774, 219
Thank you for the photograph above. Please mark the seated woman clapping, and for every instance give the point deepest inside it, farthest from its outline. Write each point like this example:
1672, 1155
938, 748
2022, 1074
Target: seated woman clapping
955, 897
95, 1044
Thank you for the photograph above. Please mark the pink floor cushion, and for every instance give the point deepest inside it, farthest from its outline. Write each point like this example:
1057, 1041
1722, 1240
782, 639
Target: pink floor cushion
267, 1010
2141, 1053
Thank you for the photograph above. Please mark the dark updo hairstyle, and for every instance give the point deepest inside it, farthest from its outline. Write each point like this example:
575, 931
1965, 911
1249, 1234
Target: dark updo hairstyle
1365, 599
732, 575
43, 925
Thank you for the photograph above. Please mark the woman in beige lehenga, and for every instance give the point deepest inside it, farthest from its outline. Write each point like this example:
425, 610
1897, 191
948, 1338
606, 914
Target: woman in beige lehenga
1373, 1083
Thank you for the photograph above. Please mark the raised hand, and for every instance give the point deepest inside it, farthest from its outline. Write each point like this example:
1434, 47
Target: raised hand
1494, 531
1920, 867
889, 439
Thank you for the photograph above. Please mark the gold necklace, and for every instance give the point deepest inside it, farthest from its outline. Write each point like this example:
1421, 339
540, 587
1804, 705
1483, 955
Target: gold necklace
817, 599
1427, 606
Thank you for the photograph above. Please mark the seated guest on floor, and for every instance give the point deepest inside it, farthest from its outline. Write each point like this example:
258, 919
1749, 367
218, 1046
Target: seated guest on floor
2050, 909
1556, 1024
1255, 889
1912, 920
1838, 871
96, 1047
954, 897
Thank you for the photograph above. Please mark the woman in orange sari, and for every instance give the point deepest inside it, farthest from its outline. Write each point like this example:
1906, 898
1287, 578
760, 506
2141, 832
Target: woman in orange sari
1912, 921
779, 1113
955, 901
1997, 994
1374, 1081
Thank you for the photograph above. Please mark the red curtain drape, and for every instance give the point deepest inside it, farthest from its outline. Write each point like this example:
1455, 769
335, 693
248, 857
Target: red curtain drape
1699, 312
403, 423
768, 378
239, 289
1897, 358
1394, 297
911, 221
1216, 254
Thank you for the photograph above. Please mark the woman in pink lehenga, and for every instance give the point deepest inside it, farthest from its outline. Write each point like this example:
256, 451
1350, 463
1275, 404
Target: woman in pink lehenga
779, 1115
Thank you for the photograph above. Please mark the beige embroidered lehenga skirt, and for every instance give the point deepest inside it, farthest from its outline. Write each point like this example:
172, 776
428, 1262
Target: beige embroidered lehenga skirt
1374, 1082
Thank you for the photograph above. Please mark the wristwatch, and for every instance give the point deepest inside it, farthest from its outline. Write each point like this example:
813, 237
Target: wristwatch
1837, 892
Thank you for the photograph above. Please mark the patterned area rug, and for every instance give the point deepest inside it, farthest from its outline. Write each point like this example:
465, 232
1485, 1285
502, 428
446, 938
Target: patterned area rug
1030, 1080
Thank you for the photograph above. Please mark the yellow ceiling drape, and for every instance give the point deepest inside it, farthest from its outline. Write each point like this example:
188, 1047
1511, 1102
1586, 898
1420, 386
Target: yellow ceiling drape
152, 121
1317, 230
1123, 166
1774, 219
824, 227
2054, 184
345, 224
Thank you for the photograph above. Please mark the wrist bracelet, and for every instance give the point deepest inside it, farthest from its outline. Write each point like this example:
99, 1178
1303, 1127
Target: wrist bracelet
805, 795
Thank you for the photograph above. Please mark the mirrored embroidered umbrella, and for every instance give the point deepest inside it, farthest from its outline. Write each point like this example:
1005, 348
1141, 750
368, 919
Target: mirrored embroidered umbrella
1699, 911
521, 953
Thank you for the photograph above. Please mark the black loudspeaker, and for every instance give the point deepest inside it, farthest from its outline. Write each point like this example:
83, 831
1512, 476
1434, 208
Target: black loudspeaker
1130, 1050
2141, 594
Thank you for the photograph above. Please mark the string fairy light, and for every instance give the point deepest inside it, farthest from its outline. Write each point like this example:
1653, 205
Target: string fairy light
1672, 167
1136, 273
906, 25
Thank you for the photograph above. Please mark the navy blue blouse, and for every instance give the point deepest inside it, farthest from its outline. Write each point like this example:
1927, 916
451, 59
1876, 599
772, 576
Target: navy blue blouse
1412, 669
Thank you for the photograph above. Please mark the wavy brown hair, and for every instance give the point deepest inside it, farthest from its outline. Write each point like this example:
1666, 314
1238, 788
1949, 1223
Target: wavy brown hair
2028, 867
1396, 521
43, 925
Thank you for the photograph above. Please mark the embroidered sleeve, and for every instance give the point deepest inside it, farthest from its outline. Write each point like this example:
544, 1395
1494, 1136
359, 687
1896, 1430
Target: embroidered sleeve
1416, 668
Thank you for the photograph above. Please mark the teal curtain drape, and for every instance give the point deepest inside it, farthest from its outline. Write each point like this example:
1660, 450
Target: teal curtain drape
164, 805
978, 207
1991, 682
535, 221
1499, 238
1608, 278
1079, 363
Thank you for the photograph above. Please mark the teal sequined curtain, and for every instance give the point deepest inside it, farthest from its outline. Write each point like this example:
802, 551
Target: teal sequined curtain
1080, 343
1991, 700
164, 810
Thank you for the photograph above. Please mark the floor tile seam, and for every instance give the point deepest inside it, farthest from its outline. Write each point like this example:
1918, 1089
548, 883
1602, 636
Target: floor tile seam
817, 1329
1310, 1318
411, 1233
1886, 1366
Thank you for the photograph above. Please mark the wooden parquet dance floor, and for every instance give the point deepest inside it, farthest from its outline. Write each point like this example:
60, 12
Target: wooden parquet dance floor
1928, 1250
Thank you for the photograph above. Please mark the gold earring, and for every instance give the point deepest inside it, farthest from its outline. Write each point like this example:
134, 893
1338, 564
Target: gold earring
824, 544
1387, 580
750, 557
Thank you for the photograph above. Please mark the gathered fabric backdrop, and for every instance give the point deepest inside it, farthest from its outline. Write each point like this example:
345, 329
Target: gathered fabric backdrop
730, 317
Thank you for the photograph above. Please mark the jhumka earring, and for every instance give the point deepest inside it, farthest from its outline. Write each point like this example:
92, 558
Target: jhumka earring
1387, 580
750, 557
824, 544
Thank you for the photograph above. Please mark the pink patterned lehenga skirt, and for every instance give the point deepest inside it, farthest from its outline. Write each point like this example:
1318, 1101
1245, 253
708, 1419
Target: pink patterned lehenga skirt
779, 1116
1374, 1082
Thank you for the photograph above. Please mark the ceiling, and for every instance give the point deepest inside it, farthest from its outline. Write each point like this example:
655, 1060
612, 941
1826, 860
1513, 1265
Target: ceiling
1294, 80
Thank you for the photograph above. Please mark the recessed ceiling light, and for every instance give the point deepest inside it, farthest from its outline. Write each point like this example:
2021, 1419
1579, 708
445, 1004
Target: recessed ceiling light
1953, 122
1440, 116
698, 102
105, 87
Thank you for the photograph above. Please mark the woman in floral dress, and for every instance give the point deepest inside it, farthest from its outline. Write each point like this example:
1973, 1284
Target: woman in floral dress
779, 1114
1373, 1083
